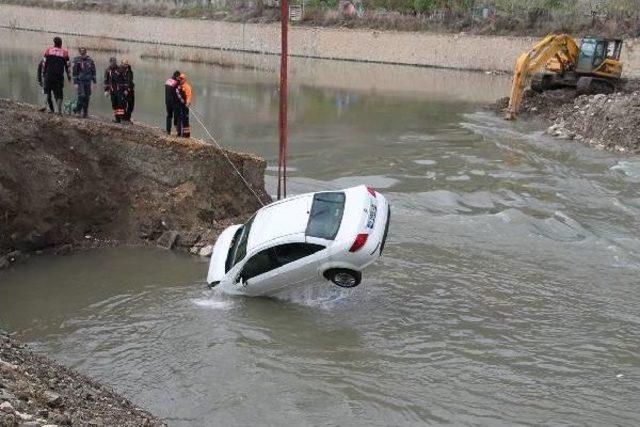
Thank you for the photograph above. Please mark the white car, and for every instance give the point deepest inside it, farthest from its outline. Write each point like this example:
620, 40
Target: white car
324, 236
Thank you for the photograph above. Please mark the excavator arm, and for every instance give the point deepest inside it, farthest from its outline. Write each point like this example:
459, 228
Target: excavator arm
561, 49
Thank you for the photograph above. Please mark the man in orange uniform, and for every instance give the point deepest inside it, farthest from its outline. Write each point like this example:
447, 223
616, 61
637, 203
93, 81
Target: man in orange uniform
185, 100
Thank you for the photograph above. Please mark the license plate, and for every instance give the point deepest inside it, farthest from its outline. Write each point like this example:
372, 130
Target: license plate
372, 216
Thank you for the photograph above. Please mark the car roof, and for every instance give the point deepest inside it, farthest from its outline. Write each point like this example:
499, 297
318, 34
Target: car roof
282, 218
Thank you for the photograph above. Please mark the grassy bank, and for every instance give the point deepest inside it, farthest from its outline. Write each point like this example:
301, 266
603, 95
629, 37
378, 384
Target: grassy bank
489, 17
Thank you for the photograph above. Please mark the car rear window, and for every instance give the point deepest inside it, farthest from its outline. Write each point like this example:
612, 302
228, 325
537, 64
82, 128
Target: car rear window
326, 215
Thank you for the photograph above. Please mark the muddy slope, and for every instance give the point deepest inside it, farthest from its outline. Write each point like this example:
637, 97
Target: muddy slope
86, 182
35, 391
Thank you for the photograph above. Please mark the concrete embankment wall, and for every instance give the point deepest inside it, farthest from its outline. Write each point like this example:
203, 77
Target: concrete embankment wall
407, 48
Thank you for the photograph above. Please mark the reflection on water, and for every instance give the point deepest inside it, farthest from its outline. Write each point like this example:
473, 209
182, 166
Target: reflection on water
508, 293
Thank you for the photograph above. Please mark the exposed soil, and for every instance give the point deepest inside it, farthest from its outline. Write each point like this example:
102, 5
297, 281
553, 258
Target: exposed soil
610, 122
35, 391
70, 183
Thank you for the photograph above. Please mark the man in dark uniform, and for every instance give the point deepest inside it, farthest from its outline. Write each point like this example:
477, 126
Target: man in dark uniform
56, 63
171, 100
129, 94
114, 87
84, 73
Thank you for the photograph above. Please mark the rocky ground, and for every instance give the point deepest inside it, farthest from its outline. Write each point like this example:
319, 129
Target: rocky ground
35, 391
68, 183
610, 122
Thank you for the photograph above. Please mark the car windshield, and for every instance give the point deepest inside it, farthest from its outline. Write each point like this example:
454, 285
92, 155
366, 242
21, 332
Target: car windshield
229, 262
326, 215
239, 247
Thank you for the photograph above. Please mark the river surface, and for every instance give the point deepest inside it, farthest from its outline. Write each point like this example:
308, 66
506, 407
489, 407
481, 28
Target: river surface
508, 295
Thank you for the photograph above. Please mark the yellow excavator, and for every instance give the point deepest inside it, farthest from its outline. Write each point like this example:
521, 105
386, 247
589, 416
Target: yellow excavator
557, 61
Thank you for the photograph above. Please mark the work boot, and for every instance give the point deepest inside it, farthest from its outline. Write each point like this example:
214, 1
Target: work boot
59, 105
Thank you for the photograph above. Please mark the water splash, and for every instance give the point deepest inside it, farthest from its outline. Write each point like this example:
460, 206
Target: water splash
323, 295
214, 300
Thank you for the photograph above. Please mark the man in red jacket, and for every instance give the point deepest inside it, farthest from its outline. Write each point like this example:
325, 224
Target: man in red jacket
55, 64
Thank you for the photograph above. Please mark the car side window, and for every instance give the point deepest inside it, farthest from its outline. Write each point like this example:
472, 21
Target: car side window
272, 258
259, 264
294, 251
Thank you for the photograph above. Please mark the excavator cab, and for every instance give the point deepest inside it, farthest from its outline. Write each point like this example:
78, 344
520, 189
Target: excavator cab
595, 51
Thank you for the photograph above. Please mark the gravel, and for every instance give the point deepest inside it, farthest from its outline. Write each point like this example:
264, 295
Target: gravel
35, 391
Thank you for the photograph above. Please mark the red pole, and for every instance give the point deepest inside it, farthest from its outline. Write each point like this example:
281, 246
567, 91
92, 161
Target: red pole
284, 54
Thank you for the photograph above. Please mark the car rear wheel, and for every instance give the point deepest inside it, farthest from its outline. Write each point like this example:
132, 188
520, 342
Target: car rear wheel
343, 277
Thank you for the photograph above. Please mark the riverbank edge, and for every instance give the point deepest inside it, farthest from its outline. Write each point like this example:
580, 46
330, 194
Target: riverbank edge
431, 50
37, 391
608, 122
189, 195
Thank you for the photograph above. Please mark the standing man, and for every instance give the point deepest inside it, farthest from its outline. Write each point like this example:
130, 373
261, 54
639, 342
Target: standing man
56, 63
185, 102
84, 74
172, 102
129, 94
40, 74
114, 87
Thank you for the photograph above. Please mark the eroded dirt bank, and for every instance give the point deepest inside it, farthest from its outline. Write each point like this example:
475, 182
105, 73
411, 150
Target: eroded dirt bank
35, 391
610, 122
67, 182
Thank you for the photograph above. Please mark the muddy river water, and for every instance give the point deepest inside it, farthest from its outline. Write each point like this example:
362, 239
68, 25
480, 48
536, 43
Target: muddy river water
509, 293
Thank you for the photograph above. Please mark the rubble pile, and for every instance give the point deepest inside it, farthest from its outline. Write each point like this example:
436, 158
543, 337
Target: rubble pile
609, 122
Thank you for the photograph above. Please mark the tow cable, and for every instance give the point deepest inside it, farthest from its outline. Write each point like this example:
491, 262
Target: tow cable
224, 152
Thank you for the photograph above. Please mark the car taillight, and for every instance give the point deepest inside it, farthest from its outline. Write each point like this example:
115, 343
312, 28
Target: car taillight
360, 241
371, 191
